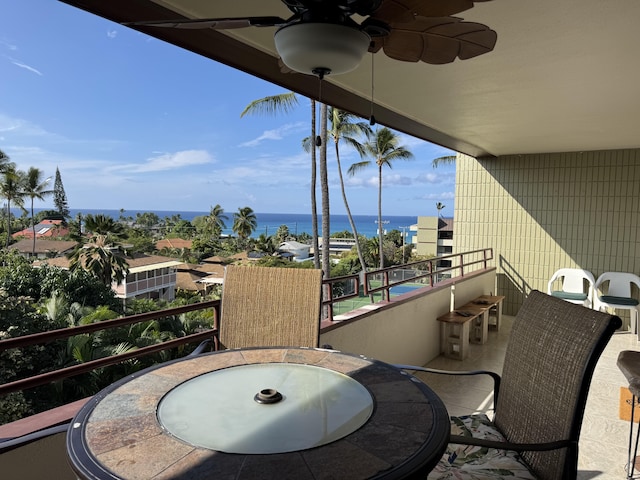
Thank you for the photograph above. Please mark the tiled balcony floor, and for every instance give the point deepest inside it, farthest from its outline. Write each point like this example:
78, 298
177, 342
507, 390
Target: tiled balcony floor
604, 437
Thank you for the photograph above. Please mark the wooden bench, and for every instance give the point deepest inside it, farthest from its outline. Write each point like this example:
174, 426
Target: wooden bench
455, 331
469, 323
494, 304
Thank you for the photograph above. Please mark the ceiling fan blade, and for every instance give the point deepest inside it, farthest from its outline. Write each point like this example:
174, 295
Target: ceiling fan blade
405, 11
436, 40
214, 23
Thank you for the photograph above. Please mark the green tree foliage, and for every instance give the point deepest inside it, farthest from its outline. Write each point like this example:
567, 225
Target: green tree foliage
215, 221
35, 187
147, 220
12, 190
5, 162
19, 278
266, 244
104, 225
282, 234
18, 316
102, 259
60, 197
244, 224
140, 240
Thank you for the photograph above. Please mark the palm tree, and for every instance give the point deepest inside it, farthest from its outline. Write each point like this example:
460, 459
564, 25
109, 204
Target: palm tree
448, 159
384, 149
244, 223
101, 258
282, 103
344, 127
35, 187
147, 219
215, 220
324, 189
266, 244
440, 206
101, 224
5, 162
285, 102
314, 201
12, 188
282, 234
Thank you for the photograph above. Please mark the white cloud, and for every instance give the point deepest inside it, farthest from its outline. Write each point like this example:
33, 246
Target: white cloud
8, 46
436, 196
395, 179
167, 161
20, 126
428, 178
277, 133
112, 33
25, 66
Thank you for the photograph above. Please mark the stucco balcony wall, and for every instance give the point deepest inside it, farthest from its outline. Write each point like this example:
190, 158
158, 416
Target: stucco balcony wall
405, 330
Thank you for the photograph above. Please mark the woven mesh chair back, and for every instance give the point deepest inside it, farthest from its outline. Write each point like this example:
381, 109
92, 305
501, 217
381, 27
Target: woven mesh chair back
552, 352
268, 306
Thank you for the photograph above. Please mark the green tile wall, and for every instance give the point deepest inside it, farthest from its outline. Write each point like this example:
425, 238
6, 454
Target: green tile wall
547, 211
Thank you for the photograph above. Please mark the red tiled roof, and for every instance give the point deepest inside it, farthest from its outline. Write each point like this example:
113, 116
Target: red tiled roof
173, 243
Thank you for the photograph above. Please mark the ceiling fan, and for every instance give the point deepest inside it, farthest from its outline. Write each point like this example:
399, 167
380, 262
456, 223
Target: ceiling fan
321, 38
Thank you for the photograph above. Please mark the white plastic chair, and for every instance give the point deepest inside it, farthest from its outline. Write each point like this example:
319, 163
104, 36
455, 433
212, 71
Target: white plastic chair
573, 286
618, 294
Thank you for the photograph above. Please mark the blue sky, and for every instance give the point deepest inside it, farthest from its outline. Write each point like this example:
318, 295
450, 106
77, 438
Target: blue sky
135, 123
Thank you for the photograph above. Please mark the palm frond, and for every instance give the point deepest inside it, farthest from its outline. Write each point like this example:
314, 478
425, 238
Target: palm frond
284, 102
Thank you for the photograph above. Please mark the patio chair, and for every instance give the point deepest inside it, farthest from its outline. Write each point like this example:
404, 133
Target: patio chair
269, 306
41, 454
617, 295
539, 400
577, 286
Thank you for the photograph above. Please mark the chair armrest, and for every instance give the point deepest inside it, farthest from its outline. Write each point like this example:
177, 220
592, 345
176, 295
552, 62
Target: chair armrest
12, 443
493, 375
201, 348
517, 447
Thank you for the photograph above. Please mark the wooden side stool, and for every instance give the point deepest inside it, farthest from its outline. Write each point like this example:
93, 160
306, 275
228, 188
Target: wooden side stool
454, 339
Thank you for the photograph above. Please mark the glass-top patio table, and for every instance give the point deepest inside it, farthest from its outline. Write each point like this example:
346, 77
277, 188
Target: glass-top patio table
265, 413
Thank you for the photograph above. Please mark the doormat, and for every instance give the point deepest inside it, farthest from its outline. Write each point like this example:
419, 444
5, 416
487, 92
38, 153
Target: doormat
625, 406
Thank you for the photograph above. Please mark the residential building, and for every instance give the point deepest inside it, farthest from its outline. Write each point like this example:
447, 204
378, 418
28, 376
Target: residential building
149, 276
299, 252
45, 229
433, 236
44, 248
174, 243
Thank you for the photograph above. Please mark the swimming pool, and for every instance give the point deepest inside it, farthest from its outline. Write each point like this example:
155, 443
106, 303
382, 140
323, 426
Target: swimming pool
405, 288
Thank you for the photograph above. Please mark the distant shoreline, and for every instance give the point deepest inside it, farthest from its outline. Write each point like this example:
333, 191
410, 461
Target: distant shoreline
268, 223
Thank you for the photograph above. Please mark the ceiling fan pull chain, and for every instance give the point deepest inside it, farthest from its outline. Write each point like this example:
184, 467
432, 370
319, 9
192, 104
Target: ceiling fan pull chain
372, 118
320, 73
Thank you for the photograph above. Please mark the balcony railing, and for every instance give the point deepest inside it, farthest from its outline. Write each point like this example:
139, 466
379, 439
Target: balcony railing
425, 273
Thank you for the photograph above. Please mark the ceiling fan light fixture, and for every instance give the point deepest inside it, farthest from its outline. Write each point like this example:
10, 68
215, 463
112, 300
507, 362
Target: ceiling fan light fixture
327, 47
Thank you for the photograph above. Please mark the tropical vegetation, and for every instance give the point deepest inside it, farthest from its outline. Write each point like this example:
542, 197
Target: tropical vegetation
44, 298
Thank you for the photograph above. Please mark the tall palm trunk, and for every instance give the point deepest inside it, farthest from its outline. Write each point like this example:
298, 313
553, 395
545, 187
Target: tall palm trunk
314, 206
324, 187
348, 210
8, 221
33, 228
380, 226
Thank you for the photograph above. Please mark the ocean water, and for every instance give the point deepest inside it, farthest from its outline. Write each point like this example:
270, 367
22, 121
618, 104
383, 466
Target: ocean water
268, 223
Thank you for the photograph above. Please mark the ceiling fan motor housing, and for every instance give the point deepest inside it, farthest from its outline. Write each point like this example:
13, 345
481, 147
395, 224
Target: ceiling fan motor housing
328, 47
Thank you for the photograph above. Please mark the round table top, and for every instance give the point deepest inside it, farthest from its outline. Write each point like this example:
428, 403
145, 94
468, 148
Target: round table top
122, 433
